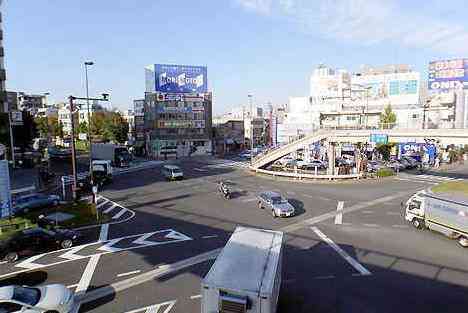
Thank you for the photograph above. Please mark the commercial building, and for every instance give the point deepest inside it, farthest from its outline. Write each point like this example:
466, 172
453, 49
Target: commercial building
228, 137
81, 116
11, 103
178, 111
30, 102
139, 120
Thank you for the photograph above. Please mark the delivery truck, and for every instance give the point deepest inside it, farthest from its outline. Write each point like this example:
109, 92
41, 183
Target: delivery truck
118, 155
246, 276
443, 213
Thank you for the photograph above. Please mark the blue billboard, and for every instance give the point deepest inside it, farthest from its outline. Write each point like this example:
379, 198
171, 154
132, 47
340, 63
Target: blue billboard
448, 75
177, 78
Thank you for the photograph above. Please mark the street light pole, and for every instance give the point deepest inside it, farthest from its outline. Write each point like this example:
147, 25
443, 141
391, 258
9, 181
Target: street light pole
11, 140
89, 123
251, 129
72, 122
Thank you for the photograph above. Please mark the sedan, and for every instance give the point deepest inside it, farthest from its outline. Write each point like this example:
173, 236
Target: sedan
274, 202
49, 298
395, 165
26, 203
37, 240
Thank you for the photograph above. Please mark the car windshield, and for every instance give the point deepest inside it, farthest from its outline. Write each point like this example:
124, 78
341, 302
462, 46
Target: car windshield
26, 295
176, 170
277, 200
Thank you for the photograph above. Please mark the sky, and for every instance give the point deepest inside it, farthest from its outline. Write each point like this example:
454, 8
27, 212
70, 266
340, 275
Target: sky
267, 48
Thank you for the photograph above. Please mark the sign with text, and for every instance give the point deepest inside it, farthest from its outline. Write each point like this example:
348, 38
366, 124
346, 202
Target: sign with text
448, 75
379, 138
180, 78
5, 190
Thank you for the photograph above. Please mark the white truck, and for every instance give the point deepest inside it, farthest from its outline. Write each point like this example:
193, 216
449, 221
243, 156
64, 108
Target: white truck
118, 155
443, 213
246, 276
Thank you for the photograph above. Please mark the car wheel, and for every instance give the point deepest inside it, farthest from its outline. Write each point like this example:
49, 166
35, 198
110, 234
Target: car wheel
12, 257
463, 241
417, 223
273, 213
260, 205
67, 243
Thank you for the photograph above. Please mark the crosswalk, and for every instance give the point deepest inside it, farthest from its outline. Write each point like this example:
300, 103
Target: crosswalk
426, 178
116, 211
229, 164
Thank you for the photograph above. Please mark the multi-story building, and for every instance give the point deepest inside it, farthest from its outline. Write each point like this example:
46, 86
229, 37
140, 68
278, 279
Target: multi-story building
3, 107
81, 116
139, 121
11, 103
129, 117
30, 103
178, 111
228, 137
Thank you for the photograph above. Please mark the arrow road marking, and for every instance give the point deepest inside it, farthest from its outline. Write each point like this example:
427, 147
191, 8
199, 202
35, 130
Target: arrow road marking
105, 247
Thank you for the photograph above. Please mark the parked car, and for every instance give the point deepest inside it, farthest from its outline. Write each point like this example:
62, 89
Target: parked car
395, 165
310, 166
37, 240
245, 154
412, 161
49, 298
274, 202
24, 204
374, 166
56, 153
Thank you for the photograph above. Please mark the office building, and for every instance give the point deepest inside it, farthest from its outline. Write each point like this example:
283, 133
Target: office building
3, 106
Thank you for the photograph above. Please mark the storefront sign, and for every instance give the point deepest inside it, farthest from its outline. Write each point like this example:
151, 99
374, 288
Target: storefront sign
379, 138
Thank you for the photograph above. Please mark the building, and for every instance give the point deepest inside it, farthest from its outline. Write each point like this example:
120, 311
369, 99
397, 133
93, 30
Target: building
11, 103
81, 116
129, 117
178, 111
139, 121
47, 111
30, 103
3, 106
228, 137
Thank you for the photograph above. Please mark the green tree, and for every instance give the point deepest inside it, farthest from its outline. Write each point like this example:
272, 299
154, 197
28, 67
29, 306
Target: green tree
56, 128
83, 128
114, 128
388, 117
42, 126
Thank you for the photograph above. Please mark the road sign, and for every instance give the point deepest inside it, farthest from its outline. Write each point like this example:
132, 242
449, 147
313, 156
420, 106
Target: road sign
379, 138
5, 189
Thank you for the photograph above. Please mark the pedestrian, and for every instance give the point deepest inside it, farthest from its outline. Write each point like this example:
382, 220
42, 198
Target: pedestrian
437, 162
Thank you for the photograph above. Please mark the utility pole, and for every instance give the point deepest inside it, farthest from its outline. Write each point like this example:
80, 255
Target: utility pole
12, 146
89, 124
251, 129
75, 176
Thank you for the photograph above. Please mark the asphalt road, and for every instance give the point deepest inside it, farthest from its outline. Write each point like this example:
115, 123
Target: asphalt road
366, 260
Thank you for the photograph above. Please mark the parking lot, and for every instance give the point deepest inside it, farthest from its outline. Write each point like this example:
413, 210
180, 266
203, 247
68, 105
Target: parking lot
346, 249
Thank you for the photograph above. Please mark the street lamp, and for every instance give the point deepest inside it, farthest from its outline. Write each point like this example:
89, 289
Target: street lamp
86, 64
251, 128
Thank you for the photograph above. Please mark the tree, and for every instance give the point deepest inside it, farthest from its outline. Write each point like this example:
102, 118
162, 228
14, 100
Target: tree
56, 128
42, 126
83, 128
388, 117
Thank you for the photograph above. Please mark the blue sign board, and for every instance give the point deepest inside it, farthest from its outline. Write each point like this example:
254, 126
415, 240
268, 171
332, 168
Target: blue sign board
178, 78
379, 138
416, 149
448, 75
5, 191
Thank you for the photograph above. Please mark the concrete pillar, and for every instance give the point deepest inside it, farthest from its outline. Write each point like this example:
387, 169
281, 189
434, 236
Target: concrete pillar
358, 158
307, 153
331, 158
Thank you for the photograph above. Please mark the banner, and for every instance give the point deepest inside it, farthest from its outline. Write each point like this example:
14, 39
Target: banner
180, 78
448, 75
5, 189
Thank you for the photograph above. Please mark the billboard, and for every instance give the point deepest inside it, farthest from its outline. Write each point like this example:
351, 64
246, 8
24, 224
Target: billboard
5, 191
448, 75
177, 78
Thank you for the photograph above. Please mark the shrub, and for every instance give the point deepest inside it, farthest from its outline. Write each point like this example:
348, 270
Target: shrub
385, 172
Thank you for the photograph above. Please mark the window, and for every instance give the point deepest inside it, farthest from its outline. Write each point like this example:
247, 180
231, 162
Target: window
26, 295
415, 116
7, 307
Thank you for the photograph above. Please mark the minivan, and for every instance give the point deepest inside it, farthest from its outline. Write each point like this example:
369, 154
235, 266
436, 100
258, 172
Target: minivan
172, 172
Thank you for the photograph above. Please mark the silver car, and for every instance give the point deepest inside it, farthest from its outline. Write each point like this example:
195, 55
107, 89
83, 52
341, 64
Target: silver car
48, 298
274, 202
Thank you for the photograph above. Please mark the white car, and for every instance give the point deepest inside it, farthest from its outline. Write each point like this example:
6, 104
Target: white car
49, 298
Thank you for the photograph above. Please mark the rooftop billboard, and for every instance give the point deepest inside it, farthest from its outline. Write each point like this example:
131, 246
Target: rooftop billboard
176, 78
448, 75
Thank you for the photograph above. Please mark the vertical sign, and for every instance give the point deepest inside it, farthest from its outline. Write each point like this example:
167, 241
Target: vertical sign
5, 190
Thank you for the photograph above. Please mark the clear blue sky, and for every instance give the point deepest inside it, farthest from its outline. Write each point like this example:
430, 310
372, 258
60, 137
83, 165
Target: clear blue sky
264, 47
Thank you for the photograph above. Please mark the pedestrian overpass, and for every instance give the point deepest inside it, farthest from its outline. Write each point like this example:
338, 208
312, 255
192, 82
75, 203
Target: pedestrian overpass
442, 136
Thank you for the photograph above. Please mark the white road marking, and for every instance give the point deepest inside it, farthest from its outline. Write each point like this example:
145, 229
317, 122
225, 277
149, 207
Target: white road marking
102, 203
85, 280
104, 232
195, 297
290, 193
371, 225
4, 262
109, 209
208, 237
393, 213
72, 286
155, 308
367, 212
200, 169
118, 215
400, 226
358, 266
128, 273
339, 209
249, 199
346, 224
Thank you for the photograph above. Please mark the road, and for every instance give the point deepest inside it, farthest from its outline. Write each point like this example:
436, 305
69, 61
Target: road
348, 249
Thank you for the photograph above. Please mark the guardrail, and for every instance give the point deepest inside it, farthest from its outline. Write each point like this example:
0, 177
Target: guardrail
307, 176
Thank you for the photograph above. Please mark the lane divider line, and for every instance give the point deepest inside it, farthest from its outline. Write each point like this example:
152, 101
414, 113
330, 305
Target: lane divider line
357, 266
104, 232
128, 273
339, 216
